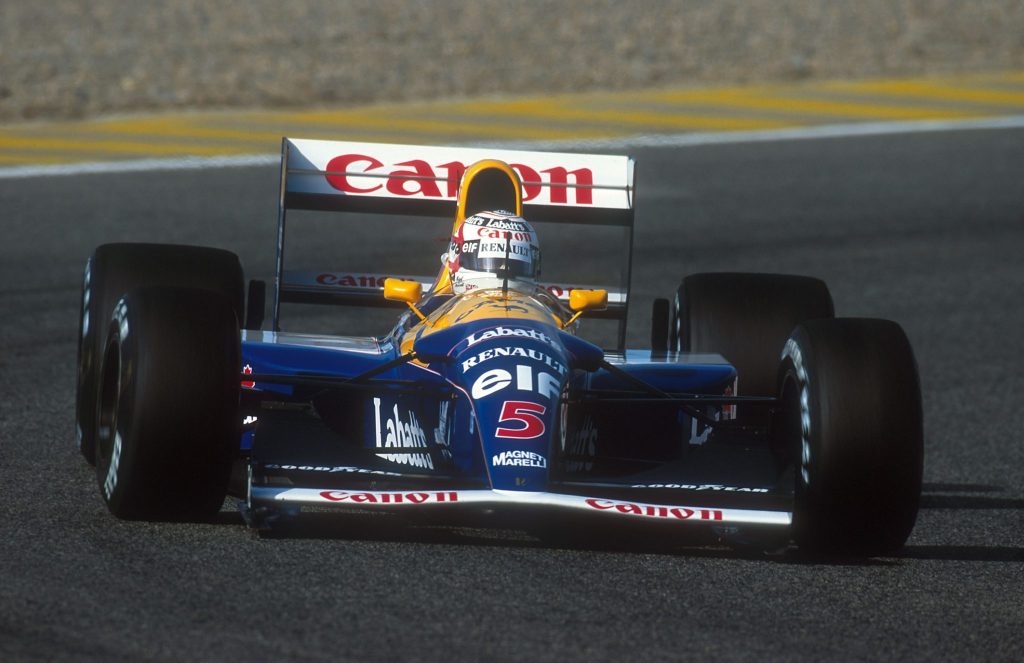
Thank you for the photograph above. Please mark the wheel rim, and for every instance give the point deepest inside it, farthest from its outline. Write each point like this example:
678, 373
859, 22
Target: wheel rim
107, 407
787, 437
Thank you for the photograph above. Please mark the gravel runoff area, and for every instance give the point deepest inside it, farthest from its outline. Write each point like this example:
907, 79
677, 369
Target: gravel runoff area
78, 58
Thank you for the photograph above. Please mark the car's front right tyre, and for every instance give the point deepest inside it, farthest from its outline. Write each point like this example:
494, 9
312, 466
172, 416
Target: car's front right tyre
167, 407
113, 270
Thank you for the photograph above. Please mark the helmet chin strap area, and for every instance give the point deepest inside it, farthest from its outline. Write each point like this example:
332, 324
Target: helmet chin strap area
504, 280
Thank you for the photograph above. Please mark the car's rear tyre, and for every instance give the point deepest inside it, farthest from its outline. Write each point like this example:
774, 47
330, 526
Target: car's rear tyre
746, 318
113, 270
659, 325
167, 408
851, 416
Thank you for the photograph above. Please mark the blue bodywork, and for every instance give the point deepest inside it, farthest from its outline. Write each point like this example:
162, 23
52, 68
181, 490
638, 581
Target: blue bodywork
496, 401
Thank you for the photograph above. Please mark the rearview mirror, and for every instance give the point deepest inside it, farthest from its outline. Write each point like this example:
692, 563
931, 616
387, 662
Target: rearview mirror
398, 290
588, 300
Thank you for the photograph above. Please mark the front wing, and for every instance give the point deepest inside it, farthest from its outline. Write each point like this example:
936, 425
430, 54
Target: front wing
281, 498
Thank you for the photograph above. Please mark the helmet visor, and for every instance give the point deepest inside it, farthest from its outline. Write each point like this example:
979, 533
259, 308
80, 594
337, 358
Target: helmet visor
505, 258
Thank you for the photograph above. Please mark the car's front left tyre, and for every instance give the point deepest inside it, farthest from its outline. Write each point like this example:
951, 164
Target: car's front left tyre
850, 414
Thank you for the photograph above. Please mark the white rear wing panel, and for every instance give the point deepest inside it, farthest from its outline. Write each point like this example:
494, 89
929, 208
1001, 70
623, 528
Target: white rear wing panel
424, 180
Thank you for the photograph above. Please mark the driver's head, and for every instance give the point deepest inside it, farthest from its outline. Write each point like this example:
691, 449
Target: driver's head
490, 247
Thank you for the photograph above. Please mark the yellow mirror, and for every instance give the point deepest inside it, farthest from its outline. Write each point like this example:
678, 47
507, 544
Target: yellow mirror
398, 290
588, 300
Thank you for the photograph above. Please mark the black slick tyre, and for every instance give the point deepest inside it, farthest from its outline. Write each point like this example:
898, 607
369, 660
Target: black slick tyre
746, 318
851, 417
659, 325
113, 270
167, 408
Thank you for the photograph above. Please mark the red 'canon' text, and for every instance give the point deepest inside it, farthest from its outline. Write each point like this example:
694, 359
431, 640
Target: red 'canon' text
416, 177
655, 511
389, 498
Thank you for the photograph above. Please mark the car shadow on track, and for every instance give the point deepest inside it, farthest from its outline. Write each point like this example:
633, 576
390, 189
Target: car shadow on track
956, 496
557, 535
964, 553
966, 496
369, 526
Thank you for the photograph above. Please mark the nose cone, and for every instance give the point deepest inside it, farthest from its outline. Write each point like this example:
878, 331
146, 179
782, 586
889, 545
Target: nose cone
514, 376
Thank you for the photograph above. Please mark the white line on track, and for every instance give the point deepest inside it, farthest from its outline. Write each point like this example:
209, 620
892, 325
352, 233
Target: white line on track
141, 165
658, 140
797, 133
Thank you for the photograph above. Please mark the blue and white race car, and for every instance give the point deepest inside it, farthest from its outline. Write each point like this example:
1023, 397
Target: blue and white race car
755, 414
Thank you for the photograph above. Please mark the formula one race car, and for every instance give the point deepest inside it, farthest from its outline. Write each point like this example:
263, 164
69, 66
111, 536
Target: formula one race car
755, 414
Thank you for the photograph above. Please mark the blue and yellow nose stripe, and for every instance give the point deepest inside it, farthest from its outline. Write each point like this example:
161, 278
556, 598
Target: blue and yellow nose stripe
576, 117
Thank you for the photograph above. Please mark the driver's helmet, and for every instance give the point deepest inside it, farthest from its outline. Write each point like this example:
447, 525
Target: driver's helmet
492, 249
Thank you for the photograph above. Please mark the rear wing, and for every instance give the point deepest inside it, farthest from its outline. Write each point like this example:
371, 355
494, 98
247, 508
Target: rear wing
425, 181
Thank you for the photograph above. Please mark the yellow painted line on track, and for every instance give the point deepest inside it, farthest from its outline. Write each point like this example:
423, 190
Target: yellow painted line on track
657, 121
563, 117
436, 118
386, 119
176, 134
180, 128
935, 92
21, 158
793, 102
115, 147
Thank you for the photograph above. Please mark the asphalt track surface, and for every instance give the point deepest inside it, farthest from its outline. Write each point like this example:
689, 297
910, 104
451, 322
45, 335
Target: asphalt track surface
925, 229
